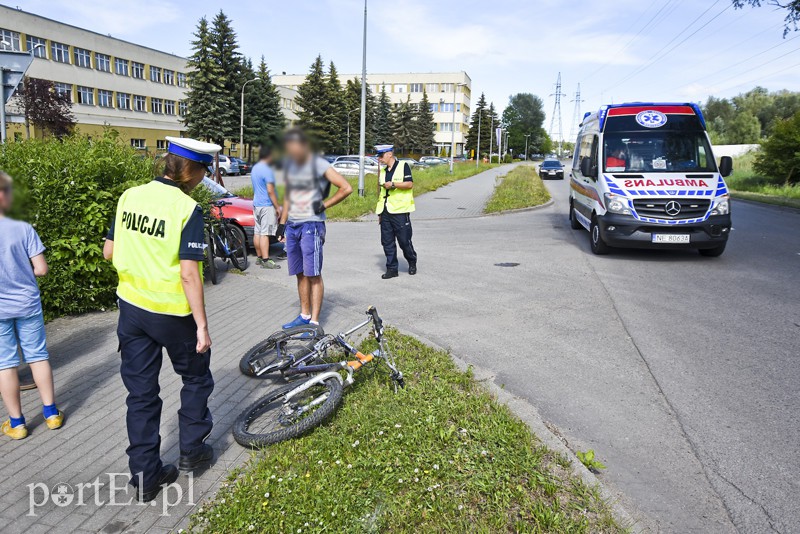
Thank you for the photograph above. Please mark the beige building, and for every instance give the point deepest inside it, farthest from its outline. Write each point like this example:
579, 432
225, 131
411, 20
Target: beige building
447, 91
136, 90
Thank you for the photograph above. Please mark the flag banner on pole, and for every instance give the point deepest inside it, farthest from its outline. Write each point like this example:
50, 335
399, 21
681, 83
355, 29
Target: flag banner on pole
499, 132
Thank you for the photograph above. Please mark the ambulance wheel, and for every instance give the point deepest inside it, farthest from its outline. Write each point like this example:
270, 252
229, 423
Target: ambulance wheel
599, 246
573, 221
712, 252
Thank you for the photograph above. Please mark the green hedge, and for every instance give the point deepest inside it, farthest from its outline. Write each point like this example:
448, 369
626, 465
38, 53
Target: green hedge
68, 190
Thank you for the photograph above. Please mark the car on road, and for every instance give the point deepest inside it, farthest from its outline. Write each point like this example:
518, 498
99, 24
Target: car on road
432, 161
644, 176
240, 210
414, 164
371, 165
244, 167
348, 168
227, 166
551, 168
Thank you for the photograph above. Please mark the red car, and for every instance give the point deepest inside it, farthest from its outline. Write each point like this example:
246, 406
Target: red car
240, 210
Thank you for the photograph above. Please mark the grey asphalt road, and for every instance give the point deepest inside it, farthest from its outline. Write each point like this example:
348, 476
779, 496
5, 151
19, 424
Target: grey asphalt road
680, 371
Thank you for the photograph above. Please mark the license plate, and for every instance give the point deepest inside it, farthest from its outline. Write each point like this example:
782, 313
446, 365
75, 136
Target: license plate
670, 238
552, 172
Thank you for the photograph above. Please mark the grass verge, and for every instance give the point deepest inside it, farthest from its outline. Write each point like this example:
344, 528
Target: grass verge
521, 188
425, 181
440, 455
745, 183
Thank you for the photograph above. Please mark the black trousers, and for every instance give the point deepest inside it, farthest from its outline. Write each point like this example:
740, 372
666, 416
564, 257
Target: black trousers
142, 335
396, 230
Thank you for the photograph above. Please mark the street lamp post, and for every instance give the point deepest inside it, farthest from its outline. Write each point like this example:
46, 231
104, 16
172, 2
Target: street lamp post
526, 146
491, 134
241, 122
362, 148
478, 148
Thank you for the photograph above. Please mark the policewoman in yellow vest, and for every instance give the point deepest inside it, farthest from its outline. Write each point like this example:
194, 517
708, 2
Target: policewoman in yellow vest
395, 204
156, 243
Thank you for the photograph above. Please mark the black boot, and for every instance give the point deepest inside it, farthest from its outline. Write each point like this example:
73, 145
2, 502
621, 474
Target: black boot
412, 269
168, 475
389, 274
199, 459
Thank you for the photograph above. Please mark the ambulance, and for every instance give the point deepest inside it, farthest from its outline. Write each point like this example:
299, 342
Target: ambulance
644, 176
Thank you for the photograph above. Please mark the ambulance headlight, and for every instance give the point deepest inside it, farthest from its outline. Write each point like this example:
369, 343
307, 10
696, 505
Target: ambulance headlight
617, 204
722, 206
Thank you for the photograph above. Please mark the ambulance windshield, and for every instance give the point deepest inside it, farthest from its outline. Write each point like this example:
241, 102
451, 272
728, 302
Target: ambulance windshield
657, 151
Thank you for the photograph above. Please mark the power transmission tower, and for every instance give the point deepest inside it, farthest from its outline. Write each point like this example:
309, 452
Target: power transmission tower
557, 113
577, 113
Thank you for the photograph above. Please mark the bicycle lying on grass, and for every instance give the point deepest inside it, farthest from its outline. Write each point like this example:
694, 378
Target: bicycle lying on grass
224, 240
289, 411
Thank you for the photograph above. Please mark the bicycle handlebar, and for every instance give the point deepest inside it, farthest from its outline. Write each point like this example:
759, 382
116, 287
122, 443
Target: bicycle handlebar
376, 319
220, 203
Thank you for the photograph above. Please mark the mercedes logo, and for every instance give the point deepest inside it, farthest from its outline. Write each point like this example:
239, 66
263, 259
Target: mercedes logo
672, 208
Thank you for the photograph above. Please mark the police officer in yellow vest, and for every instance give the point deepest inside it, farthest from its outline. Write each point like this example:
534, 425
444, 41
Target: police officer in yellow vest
156, 243
395, 204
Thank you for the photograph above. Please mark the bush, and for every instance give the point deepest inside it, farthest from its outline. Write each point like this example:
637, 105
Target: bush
780, 153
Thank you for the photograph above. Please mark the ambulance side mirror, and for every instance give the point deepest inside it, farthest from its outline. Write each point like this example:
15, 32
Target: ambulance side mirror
726, 166
587, 170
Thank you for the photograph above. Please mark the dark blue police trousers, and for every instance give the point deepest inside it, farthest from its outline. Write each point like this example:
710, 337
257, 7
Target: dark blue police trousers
142, 335
396, 230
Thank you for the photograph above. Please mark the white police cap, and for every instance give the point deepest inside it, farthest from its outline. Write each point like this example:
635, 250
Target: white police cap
193, 149
382, 149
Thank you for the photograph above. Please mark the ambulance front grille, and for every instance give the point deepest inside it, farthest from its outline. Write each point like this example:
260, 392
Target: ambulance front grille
689, 208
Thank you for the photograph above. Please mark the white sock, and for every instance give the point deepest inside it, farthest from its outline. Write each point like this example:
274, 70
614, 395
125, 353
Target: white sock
314, 322
304, 316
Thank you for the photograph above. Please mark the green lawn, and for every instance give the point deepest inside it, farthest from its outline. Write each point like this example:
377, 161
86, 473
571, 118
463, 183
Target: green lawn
747, 184
424, 181
521, 188
440, 455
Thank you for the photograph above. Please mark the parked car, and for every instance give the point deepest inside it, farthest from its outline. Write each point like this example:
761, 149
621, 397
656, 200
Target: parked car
432, 161
460, 158
331, 158
551, 168
226, 166
244, 167
414, 164
347, 168
371, 165
240, 210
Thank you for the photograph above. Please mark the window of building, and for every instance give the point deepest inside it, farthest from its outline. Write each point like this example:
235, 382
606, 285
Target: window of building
9, 41
447, 87
83, 58
105, 98
63, 89
123, 101
182, 108
181, 79
137, 70
59, 52
85, 95
155, 74
121, 66
434, 108
445, 126
156, 105
169, 107
432, 87
102, 62
161, 144
447, 107
169, 77
416, 88
400, 88
37, 45
139, 103
138, 144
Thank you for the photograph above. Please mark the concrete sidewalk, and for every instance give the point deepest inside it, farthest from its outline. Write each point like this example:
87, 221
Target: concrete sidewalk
91, 445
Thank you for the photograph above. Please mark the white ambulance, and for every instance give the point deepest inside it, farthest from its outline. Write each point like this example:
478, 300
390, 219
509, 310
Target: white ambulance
644, 176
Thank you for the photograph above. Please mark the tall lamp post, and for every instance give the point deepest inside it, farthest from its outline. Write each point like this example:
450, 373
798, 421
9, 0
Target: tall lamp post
453, 133
362, 144
491, 134
241, 121
526, 146
478, 149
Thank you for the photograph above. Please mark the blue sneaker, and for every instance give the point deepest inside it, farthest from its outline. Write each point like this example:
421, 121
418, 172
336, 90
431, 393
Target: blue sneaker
299, 321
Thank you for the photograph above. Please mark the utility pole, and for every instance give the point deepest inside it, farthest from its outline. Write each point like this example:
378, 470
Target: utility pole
453, 133
491, 134
577, 113
557, 113
362, 146
526, 146
478, 149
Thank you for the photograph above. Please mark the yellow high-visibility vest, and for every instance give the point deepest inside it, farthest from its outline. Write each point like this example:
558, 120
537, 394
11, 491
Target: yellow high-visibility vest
147, 235
399, 200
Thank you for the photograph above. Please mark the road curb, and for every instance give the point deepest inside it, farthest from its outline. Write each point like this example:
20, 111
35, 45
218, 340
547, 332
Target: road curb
530, 415
518, 210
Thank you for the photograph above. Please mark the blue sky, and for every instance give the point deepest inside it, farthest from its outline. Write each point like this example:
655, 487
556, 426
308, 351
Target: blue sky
618, 50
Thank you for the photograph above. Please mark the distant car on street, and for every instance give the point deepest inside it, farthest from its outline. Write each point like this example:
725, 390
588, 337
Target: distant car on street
347, 168
414, 164
551, 168
244, 167
226, 166
371, 165
331, 158
432, 161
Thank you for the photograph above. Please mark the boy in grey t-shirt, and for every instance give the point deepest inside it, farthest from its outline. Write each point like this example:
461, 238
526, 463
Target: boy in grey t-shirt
21, 320
308, 180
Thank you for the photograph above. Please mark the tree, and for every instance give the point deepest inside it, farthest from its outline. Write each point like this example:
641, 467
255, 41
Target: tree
480, 117
780, 154
352, 99
424, 127
46, 108
524, 115
335, 119
404, 127
743, 129
383, 118
264, 120
225, 52
791, 6
205, 96
312, 96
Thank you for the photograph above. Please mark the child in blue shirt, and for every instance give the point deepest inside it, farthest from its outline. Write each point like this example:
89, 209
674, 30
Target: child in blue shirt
21, 320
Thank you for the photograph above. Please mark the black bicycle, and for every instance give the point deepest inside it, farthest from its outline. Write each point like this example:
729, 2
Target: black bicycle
224, 240
289, 411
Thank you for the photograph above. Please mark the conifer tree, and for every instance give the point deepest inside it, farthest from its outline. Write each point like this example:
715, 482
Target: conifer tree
335, 120
424, 127
383, 118
264, 120
204, 97
481, 112
404, 127
225, 52
352, 99
312, 96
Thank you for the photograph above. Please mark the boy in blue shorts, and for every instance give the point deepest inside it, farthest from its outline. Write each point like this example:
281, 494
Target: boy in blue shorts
21, 320
308, 181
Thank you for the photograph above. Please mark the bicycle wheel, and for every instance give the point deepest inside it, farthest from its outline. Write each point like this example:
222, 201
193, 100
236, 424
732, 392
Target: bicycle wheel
279, 350
209, 266
274, 418
237, 246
